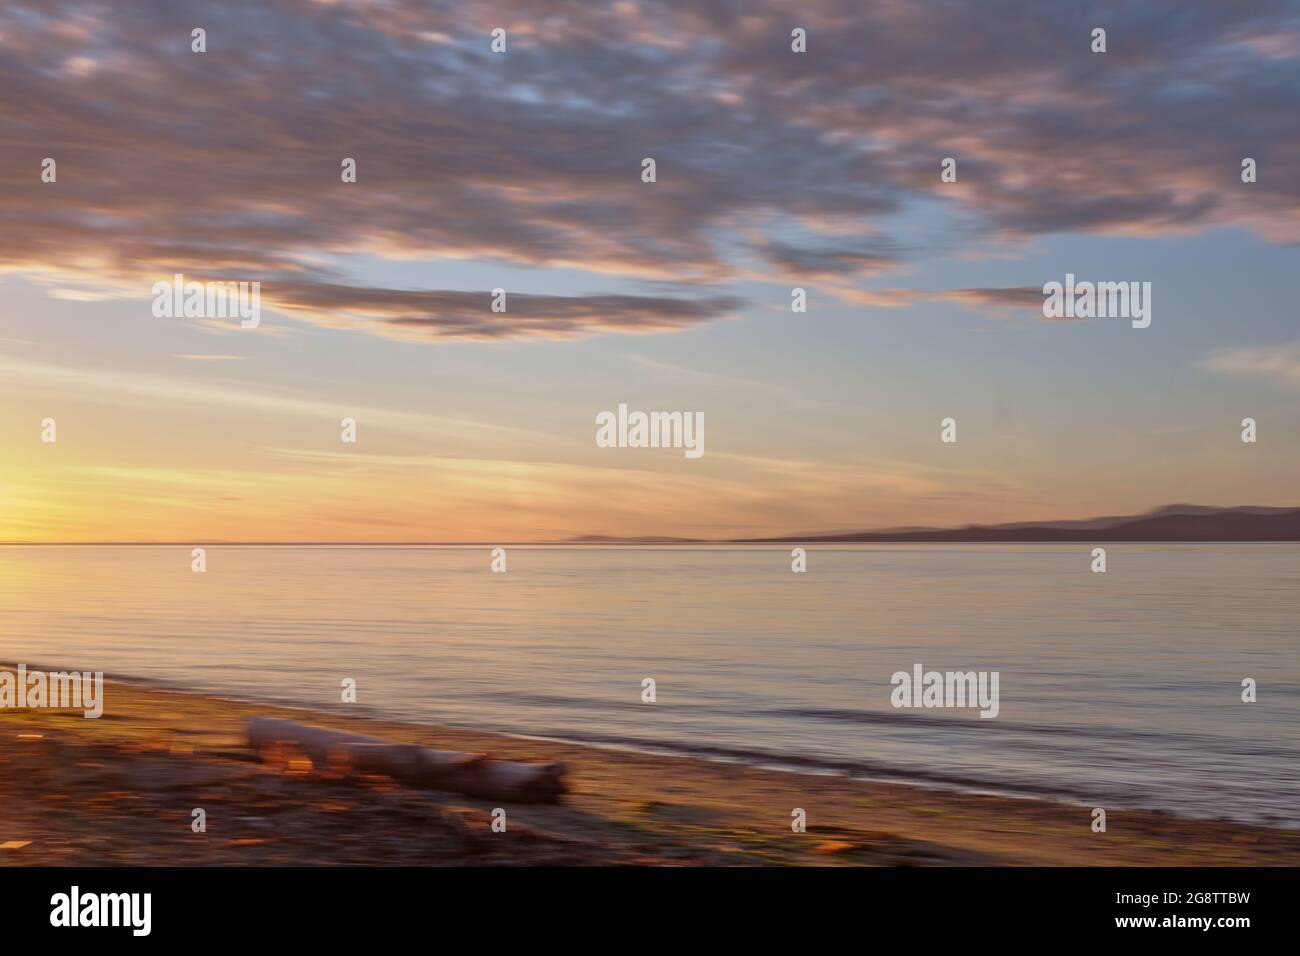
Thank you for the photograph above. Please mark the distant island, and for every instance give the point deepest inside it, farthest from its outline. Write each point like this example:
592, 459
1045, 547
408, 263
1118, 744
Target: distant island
1170, 523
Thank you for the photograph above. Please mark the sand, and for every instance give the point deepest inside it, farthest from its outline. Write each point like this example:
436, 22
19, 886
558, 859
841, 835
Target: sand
120, 790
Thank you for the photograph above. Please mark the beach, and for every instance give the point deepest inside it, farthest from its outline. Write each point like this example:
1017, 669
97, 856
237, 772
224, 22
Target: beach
121, 790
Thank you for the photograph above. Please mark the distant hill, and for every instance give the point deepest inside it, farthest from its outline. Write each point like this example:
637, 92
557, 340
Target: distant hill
1170, 523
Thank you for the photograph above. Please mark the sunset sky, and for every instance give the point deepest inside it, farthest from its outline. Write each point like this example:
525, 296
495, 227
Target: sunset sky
522, 170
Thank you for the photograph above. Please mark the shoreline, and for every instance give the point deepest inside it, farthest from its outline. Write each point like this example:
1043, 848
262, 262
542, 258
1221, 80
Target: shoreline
767, 762
121, 789
722, 757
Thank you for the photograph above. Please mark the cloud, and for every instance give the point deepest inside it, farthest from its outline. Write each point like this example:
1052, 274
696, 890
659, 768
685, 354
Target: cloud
1276, 364
998, 300
227, 163
830, 260
113, 386
467, 315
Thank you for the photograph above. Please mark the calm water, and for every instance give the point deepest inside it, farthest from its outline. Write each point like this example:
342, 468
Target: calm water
1119, 689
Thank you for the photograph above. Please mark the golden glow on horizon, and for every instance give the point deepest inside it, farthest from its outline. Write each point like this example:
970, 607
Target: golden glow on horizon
161, 458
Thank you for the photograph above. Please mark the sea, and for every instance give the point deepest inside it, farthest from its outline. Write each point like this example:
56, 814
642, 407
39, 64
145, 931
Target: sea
1117, 689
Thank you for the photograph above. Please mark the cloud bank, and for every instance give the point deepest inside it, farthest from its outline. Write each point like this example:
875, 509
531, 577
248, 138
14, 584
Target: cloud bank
226, 163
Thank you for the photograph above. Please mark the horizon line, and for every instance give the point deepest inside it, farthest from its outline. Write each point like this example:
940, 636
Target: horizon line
823, 537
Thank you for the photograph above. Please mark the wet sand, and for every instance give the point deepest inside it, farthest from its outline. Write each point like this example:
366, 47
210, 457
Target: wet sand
120, 790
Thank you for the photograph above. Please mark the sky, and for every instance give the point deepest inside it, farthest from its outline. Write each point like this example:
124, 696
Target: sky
522, 170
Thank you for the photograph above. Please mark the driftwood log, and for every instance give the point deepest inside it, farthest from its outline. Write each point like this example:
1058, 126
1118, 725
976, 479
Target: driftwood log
476, 775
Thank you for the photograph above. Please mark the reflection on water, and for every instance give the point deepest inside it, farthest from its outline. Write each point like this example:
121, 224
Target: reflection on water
1116, 689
